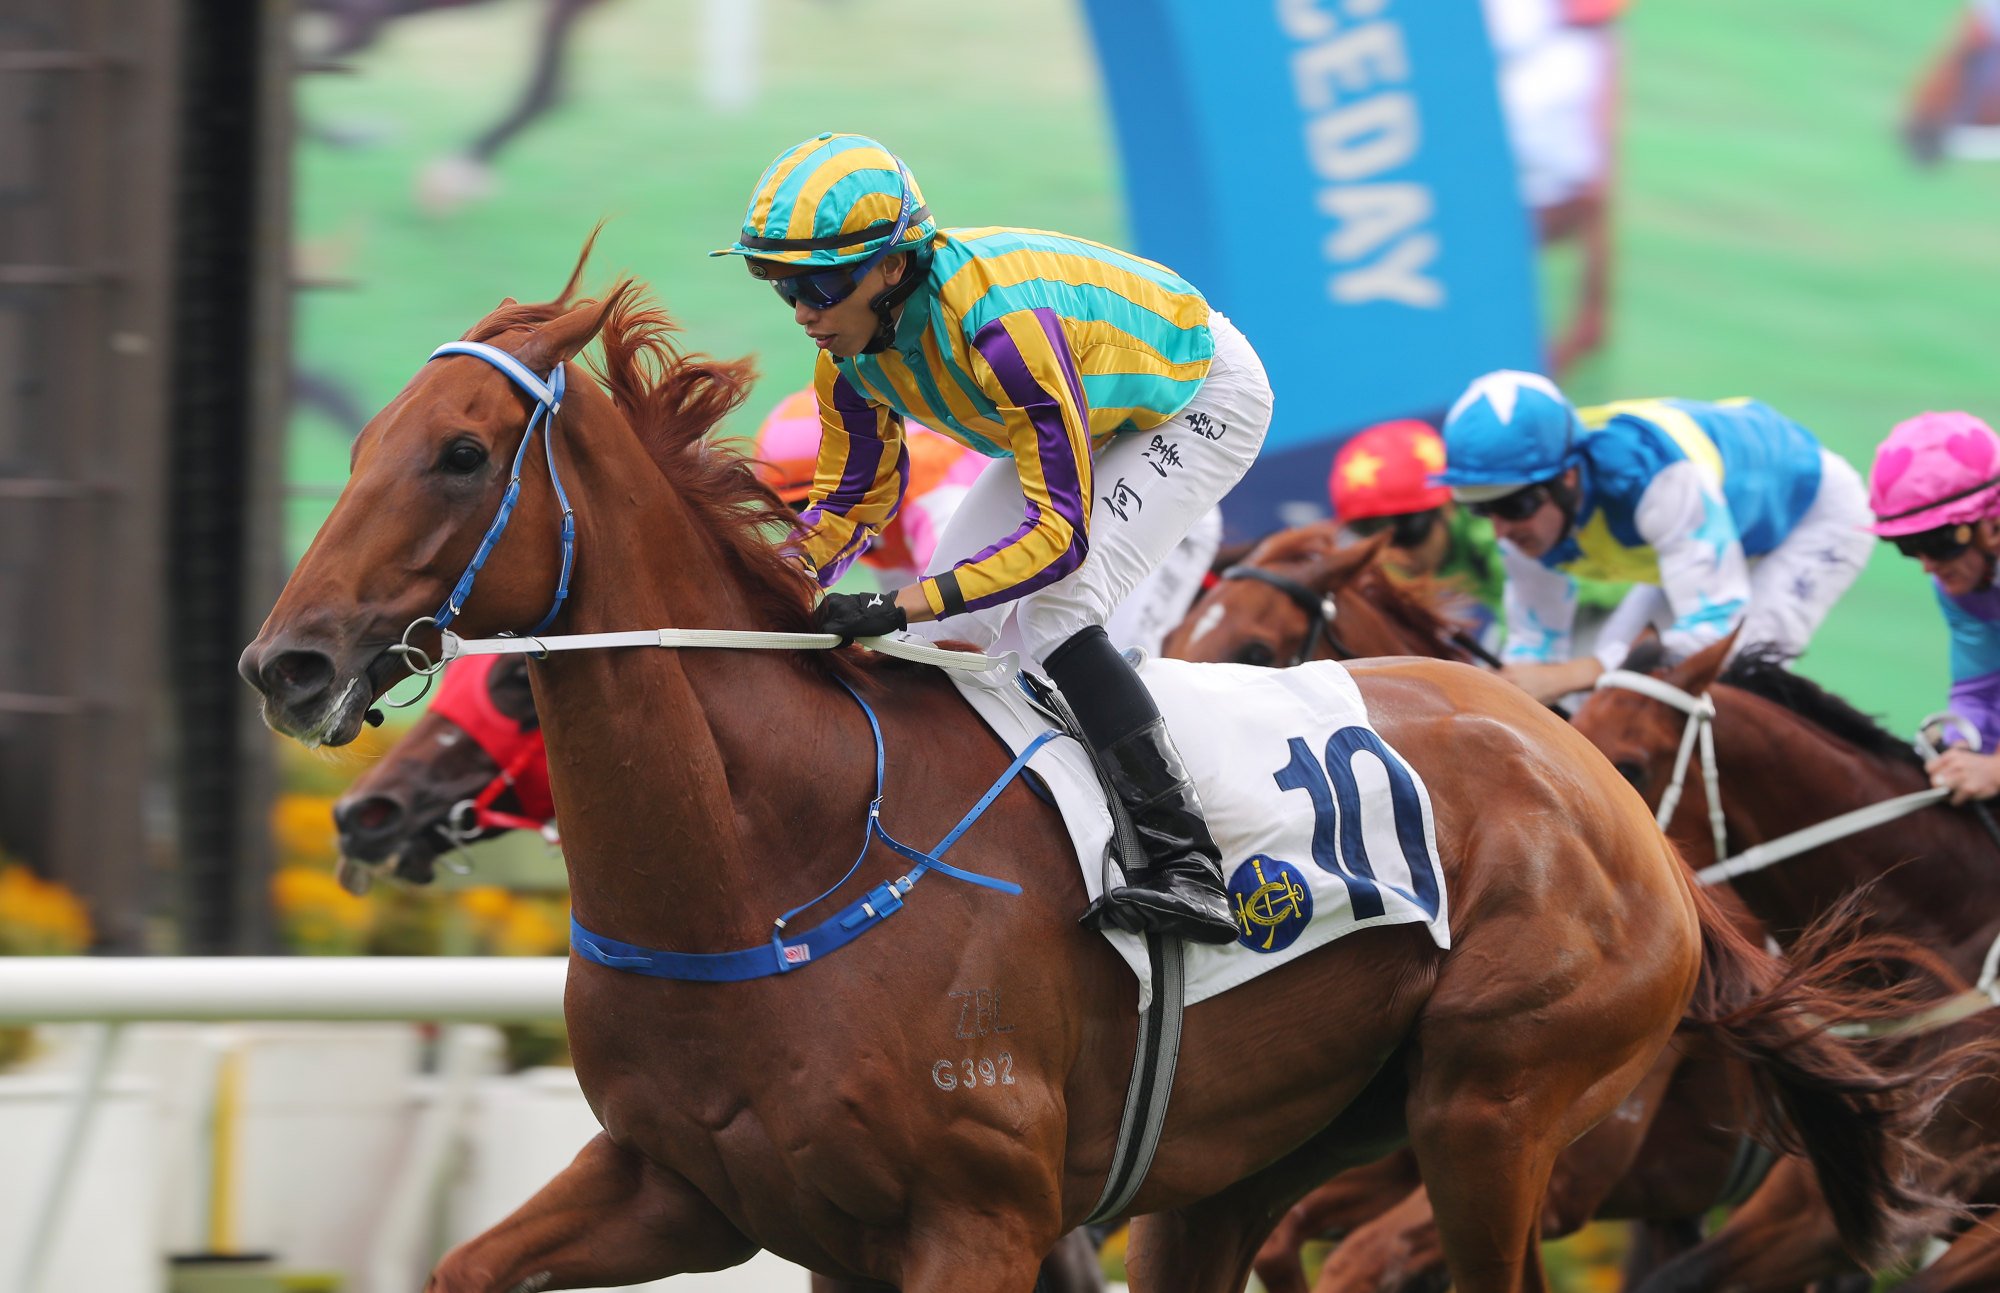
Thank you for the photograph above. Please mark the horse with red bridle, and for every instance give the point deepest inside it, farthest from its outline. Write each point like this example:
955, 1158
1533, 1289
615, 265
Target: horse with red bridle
700, 791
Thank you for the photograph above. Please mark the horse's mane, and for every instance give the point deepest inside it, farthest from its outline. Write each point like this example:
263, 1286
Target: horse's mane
672, 399
1762, 672
1425, 606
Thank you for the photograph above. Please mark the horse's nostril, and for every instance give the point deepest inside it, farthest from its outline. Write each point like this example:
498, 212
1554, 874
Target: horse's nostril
297, 674
370, 815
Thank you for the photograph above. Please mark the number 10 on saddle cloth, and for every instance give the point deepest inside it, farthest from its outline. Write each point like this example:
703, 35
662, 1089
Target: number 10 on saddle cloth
1324, 829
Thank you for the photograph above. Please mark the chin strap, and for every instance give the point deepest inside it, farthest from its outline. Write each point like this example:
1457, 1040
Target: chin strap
888, 299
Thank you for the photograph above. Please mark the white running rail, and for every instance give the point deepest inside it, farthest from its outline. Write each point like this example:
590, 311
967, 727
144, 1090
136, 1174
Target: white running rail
113, 992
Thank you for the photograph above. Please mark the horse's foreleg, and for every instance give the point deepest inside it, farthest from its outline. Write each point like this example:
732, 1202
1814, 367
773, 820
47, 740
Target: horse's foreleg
609, 1218
1782, 1238
1971, 1263
1338, 1208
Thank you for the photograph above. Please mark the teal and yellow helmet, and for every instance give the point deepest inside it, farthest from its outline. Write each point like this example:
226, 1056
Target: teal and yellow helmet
834, 200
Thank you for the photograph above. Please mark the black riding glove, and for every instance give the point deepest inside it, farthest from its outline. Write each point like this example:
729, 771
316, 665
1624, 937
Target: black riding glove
859, 615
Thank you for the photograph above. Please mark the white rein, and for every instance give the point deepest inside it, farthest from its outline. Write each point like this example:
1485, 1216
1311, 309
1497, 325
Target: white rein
905, 648
1700, 711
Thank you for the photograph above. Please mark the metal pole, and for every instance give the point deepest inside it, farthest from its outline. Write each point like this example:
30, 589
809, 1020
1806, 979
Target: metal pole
49, 1208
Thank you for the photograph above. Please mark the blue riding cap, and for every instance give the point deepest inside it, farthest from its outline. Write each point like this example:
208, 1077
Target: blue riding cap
1509, 430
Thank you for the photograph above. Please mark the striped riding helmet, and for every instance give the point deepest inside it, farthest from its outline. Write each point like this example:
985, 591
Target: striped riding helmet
833, 200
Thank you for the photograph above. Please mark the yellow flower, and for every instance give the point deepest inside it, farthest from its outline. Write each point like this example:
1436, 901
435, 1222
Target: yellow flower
38, 917
318, 916
303, 828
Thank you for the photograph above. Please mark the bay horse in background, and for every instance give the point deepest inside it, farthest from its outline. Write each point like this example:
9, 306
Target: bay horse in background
1301, 595
1790, 754
414, 802
699, 791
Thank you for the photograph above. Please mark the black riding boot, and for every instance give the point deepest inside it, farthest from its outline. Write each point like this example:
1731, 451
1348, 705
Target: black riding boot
1180, 891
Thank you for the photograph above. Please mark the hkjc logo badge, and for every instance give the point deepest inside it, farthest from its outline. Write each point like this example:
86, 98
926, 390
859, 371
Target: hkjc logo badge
1273, 904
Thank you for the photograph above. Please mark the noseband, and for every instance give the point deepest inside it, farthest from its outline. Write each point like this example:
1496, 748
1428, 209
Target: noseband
1319, 608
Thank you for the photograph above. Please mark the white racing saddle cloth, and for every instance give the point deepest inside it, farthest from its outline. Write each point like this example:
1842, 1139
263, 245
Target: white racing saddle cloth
1323, 828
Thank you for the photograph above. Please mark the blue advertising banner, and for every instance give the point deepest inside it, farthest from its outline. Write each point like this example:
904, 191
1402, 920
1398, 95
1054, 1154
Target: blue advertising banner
1334, 175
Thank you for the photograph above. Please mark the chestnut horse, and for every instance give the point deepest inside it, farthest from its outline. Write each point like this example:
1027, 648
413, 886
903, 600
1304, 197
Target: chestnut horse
426, 793
1675, 1148
1788, 754
701, 791
1300, 595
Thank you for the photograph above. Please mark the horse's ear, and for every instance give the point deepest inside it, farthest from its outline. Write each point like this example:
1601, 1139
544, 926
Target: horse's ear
1347, 562
1698, 672
562, 338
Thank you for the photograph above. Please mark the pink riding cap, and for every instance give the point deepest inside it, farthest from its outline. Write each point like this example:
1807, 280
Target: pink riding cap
1935, 469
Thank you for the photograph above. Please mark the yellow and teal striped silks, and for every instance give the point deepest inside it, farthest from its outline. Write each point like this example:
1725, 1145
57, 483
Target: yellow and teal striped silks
1019, 343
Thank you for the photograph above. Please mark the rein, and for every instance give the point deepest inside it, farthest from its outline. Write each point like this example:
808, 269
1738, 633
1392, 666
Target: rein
547, 396
1700, 711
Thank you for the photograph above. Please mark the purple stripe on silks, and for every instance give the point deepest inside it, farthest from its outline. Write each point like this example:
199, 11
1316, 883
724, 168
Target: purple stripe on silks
864, 449
834, 567
1052, 450
1059, 344
1051, 435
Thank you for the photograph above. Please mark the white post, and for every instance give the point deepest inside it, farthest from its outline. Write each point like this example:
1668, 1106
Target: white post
76, 1132
728, 53
406, 1220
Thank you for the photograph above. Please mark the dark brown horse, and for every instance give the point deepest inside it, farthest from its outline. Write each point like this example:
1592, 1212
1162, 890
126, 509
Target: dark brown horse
1788, 755
701, 791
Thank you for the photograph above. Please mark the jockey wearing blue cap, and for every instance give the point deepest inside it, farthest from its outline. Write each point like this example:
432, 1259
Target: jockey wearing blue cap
1730, 514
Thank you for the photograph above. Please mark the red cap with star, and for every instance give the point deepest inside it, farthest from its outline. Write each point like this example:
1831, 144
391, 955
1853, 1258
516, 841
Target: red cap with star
1386, 471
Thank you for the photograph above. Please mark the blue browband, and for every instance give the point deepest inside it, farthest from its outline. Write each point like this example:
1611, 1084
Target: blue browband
782, 954
548, 399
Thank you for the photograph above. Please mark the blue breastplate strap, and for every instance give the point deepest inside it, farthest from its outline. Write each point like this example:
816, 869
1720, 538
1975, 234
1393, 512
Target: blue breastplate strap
783, 954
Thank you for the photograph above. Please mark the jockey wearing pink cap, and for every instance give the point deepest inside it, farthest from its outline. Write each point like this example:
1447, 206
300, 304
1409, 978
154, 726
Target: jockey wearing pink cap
941, 470
1935, 490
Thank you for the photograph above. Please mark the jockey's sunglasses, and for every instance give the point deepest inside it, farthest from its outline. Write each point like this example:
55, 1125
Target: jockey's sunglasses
1941, 544
1517, 506
822, 289
1407, 529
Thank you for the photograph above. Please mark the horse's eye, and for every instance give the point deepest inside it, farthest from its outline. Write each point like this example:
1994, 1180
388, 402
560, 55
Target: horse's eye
1633, 771
464, 457
1255, 653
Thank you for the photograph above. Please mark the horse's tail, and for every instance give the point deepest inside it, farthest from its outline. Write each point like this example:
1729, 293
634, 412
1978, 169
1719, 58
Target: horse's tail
1855, 1109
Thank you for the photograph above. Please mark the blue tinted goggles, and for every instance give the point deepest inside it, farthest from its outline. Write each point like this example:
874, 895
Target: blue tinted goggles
822, 289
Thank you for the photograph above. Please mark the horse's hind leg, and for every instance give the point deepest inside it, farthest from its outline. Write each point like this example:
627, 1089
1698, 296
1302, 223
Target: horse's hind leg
609, 1218
1782, 1238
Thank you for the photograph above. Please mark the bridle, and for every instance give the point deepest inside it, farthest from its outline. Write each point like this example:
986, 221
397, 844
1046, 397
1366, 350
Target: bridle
1320, 610
1699, 729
